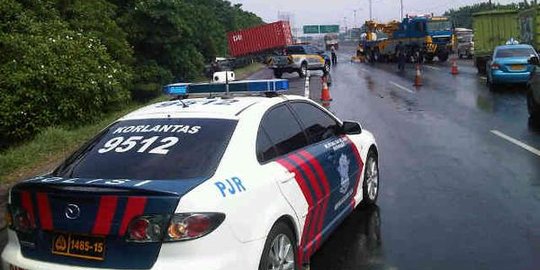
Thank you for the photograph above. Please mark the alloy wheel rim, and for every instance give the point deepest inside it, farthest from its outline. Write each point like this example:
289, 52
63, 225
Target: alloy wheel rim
281, 254
373, 179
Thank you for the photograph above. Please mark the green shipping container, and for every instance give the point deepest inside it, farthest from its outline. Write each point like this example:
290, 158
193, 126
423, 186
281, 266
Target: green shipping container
529, 27
492, 29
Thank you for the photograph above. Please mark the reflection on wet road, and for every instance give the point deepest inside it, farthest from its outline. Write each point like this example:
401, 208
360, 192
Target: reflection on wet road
358, 241
454, 195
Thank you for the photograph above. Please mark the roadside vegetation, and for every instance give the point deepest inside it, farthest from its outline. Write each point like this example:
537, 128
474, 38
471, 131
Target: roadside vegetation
69, 63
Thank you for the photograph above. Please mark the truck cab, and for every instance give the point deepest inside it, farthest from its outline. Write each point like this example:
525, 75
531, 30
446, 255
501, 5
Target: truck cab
441, 31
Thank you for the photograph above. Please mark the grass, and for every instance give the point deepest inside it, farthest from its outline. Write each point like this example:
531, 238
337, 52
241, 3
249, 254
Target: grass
54, 144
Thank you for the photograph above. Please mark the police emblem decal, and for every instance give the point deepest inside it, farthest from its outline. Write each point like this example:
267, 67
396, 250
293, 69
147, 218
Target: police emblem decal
343, 170
72, 211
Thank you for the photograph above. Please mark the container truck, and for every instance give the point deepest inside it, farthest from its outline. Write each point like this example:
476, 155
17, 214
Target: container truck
492, 29
260, 40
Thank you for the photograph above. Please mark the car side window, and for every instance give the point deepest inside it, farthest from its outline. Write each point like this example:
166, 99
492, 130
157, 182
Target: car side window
265, 148
283, 131
318, 124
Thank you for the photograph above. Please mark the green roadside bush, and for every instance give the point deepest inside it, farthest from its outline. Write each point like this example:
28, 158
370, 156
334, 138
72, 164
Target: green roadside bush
69, 62
52, 75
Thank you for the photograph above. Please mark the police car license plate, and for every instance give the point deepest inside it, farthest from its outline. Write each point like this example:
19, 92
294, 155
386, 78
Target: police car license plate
517, 67
79, 246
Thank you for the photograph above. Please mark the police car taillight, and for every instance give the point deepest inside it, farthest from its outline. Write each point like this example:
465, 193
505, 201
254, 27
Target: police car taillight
20, 220
146, 229
194, 225
178, 227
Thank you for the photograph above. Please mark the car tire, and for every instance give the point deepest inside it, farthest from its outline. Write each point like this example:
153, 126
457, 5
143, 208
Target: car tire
303, 70
533, 107
278, 74
280, 236
370, 185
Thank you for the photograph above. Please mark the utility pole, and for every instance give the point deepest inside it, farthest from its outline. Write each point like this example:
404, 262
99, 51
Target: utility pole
370, 10
401, 13
354, 22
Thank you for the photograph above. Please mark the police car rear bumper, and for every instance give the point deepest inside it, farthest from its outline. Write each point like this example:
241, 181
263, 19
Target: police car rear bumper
219, 250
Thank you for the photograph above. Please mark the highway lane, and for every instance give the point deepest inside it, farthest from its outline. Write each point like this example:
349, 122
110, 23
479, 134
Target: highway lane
454, 195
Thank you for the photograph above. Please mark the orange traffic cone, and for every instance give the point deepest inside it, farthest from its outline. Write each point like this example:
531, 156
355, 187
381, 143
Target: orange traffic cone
325, 92
454, 70
418, 77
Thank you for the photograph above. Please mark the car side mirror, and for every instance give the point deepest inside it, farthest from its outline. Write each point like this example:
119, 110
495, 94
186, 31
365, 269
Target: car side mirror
351, 128
534, 60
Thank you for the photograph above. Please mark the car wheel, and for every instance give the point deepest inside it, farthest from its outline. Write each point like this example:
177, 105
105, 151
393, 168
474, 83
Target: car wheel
533, 107
278, 73
279, 249
370, 185
303, 70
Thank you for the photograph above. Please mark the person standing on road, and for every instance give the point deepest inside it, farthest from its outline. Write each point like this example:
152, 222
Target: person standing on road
334, 55
400, 54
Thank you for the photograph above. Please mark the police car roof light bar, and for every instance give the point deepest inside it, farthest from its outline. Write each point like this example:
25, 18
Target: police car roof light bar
246, 87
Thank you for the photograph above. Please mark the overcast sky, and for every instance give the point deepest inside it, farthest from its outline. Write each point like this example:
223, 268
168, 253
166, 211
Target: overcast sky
335, 11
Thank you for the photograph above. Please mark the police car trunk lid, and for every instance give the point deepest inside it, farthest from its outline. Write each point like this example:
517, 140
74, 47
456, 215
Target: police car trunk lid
93, 208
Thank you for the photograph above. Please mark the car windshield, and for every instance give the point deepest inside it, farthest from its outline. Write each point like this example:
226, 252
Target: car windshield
159, 149
439, 25
514, 52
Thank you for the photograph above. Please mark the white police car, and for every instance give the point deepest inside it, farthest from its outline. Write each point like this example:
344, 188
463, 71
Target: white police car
248, 182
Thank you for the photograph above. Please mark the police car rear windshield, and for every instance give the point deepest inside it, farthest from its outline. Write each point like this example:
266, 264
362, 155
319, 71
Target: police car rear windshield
514, 52
152, 149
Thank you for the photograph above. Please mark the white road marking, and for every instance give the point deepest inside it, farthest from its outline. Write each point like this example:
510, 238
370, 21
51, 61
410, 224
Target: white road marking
363, 70
432, 67
401, 87
483, 77
517, 142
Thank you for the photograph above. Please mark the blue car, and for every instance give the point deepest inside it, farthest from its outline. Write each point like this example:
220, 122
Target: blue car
510, 65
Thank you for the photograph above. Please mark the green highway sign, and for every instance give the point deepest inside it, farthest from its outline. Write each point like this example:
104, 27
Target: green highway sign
311, 29
321, 29
329, 29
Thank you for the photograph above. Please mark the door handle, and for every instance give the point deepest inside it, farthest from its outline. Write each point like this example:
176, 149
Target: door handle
286, 177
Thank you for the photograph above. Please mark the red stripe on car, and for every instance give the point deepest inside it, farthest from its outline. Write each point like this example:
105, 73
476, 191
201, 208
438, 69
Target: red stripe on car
134, 207
26, 200
318, 216
44, 209
105, 214
320, 172
309, 198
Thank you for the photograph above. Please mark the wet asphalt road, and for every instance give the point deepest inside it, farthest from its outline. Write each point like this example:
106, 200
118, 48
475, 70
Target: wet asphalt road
453, 194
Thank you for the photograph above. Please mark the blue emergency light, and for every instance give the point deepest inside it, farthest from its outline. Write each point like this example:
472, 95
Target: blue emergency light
248, 86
